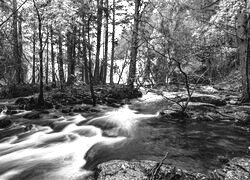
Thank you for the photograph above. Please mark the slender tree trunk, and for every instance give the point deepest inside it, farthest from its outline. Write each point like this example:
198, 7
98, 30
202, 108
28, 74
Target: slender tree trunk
34, 59
60, 61
85, 59
52, 57
91, 86
20, 47
123, 67
113, 46
98, 43
71, 52
40, 97
134, 48
244, 50
105, 60
16, 55
47, 59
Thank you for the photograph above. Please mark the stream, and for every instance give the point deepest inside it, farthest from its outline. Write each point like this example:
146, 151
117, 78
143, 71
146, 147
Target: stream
128, 133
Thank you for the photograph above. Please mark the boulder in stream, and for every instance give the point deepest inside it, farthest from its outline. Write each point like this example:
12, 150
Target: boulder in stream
32, 115
209, 99
5, 122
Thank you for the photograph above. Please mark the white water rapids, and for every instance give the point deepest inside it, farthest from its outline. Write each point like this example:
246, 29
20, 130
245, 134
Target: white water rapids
42, 153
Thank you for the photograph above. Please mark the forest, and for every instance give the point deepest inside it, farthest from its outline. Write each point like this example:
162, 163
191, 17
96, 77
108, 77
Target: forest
115, 89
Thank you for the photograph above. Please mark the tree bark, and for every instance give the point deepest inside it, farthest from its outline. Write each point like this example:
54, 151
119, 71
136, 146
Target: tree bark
134, 48
52, 57
60, 61
34, 59
105, 59
113, 46
71, 53
98, 43
91, 86
85, 59
244, 50
47, 59
40, 97
16, 51
20, 47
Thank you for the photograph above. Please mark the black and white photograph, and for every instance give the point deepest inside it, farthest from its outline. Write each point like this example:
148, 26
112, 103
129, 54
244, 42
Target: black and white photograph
124, 89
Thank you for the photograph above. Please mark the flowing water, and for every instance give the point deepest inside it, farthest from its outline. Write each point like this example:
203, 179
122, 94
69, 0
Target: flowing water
80, 144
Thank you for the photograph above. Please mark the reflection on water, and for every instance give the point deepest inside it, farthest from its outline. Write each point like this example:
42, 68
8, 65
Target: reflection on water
58, 153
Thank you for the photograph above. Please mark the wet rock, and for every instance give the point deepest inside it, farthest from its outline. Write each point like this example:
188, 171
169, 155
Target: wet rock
32, 115
24, 101
209, 99
208, 116
127, 170
209, 89
244, 121
81, 109
59, 126
237, 169
197, 106
5, 122
32, 103
176, 114
94, 110
123, 93
66, 110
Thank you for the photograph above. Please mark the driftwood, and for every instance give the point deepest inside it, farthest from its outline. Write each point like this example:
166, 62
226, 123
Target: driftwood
155, 171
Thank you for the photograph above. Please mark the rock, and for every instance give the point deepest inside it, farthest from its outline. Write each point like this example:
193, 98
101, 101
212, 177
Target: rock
237, 169
174, 114
245, 121
209, 99
207, 116
120, 92
94, 110
66, 110
32, 115
5, 122
140, 170
197, 106
209, 89
22, 101
111, 100
80, 109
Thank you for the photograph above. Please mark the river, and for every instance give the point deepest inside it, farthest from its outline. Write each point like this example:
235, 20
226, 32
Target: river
130, 132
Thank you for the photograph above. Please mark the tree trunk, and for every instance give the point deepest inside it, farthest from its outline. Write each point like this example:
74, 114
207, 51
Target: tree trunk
40, 97
91, 86
244, 50
113, 47
52, 57
16, 54
20, 47
98, 43
47, 59
60, 60
85, 59
134, 48
105, 59
71, 55
34, 59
